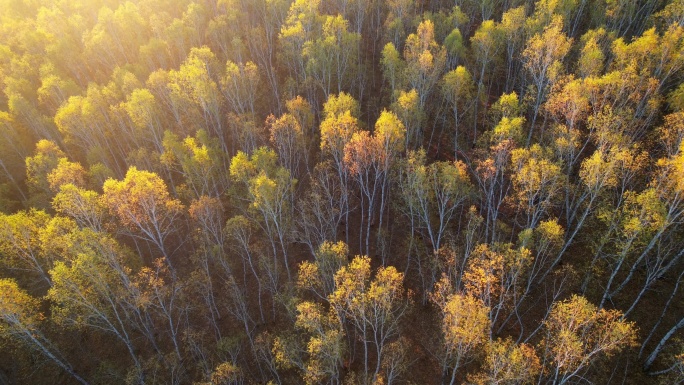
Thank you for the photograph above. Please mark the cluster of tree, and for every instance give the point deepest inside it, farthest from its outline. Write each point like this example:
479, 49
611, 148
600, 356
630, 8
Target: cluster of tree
341, 192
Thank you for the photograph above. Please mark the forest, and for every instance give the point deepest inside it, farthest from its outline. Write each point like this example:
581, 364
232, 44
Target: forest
341, 192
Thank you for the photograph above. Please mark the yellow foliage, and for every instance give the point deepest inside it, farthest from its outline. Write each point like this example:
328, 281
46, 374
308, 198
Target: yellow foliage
508, 363
336, 132
66, 172
546, 50
340, 104
226, 373
465, 325
577, 332
598, 171
18, 310
389, 132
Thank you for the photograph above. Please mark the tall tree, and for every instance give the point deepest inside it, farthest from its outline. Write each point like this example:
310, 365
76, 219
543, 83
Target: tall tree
20, 318
269, 191
537, 182
491, 171
21, 244
46, 158
144, 206
512, 25
374, 307
239, 85
486, 45
84, 206
465, 329
425, 60
408, 110
337, 129
287, 137
543, 59
458, 89
577, 333
508, 363
95, 290
369, 160
319, 276
331, 60
433, 193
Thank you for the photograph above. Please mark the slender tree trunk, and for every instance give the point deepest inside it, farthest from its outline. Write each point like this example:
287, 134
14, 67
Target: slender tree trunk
654, 354
662, 314
33, 337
